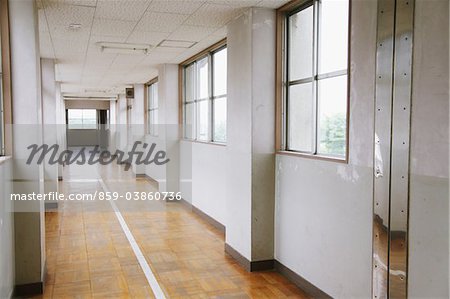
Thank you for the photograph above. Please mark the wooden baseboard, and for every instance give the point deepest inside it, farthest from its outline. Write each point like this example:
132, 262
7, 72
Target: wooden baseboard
253, 266
51, 205
204, 216
150, 179
299, 281
30, 289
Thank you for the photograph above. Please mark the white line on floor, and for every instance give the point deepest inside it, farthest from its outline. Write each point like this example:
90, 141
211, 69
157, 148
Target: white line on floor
156, 288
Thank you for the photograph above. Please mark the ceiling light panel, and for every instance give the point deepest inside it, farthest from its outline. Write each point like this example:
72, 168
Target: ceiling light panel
124, 10
176, 44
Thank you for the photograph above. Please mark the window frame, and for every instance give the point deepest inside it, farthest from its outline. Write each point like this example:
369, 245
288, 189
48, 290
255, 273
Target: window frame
147, 109
207, 53
5, 102
82, 124
282, 84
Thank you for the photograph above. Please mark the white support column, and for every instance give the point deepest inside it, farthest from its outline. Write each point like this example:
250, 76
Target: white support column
61, 123
27, 116
167, 140
137, 126
49, 114
250, 175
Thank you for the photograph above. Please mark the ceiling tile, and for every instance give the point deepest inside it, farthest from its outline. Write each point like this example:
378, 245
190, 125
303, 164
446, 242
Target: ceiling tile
175, 6
125, 10
236, 3
160, 22
45, 45
191, 33
147, 37
272, 3
106, 38
59, 18
65, 47
213, 15
91, 3
43, 27
112, 27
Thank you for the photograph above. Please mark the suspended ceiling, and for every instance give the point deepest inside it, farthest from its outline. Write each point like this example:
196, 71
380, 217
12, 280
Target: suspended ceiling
85, 71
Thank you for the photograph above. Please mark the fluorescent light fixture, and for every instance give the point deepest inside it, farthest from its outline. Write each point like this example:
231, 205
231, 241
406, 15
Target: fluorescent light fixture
124, 48
167, 43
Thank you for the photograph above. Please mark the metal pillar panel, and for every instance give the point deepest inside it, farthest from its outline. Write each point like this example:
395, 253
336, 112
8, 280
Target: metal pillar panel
401, 118
383, 115
392, 144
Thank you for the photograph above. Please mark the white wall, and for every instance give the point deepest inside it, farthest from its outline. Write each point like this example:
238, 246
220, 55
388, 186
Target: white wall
324, 209
203, 175
6, 230
87, 104
429, 190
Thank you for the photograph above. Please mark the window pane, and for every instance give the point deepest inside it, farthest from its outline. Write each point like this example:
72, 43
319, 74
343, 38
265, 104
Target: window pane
149, 97
154, 96
220, 119
301, 44
203, 83
149, 120
154, 122
75, 118
82, 118
332, 116
333, 37
89, 119
203, 120
189, 120
220, 72
301, 118
189, 82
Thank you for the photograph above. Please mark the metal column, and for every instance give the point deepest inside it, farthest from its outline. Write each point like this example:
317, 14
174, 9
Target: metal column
391, 159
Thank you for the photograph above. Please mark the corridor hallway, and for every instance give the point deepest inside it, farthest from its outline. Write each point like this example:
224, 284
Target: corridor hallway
89, 255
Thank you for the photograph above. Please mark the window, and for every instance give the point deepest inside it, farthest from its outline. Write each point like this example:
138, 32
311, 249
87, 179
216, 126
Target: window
5, 82
205, 96
82, 118
152, 108
315, 92
2, 132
